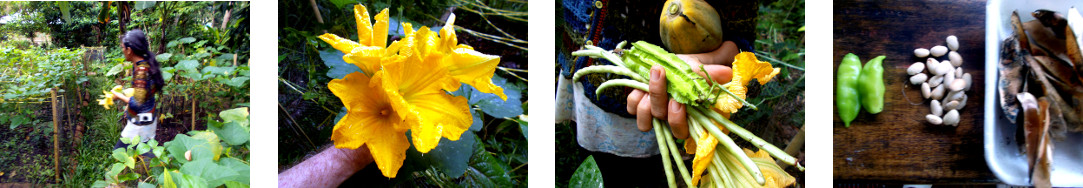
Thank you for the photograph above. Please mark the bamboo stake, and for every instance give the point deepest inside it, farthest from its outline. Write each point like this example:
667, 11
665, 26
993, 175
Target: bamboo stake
193, 115
795, 145
56, 143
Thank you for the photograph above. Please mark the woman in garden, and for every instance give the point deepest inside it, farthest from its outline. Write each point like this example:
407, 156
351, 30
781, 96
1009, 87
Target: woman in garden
142, 120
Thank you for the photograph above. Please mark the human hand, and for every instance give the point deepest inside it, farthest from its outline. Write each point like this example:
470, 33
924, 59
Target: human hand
657, 104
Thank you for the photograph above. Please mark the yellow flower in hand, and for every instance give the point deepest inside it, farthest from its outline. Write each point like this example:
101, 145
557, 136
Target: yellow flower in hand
107, 99
370, 121
745, 68
404, 87
415, 91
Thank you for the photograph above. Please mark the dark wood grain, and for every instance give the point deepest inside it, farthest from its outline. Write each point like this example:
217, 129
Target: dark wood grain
898, 145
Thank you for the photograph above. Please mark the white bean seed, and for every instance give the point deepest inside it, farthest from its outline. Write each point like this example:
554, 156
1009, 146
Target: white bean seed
915, 68
951, 118
921, 52
918, 78
938, 51
953, 43
938, 93
933, 119
968, 80
955, 58
935, 108
936, 81
925, 91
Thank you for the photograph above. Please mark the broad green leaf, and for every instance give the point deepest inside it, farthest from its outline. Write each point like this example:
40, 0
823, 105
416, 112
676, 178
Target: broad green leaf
450, 157
490, 167
183, 180
587, 175
232, 132
167, 73
242, 169
477, 125
239, 115
492, 104
236, 81
213, 173
114, 171
140, 5
186, 40
204, 145
163, 57
338, 67
224, 71
166, 179
121, 155
116, 69
187, 65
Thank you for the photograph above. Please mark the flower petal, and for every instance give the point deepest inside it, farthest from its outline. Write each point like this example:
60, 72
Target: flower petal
368, 58
726, 103
364, 25
415, 89
476, 69
746, 66
379, 30
438, 115
704, 152
370, 121
341, 44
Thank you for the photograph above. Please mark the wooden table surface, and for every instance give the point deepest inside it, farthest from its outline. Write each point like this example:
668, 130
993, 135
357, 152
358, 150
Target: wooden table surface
898, 145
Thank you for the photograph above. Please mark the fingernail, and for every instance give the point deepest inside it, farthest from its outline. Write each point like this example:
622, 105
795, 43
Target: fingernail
673, 107
654, 74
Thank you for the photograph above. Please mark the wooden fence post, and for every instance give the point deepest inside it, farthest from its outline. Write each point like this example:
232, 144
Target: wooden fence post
56, 143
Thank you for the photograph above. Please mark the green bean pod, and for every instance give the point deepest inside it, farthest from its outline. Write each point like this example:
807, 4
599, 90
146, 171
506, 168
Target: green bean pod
870, 85
846, 96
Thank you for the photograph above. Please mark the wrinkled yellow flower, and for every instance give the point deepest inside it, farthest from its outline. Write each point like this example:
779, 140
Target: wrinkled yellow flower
370, 121
404, 87
745, 68
772, 173
370, 50
107, 99
703, 150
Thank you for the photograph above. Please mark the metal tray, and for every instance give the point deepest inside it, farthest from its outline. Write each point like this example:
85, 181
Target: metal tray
1003, 153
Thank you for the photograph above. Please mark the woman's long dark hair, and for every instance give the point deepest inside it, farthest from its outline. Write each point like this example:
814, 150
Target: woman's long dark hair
137, 41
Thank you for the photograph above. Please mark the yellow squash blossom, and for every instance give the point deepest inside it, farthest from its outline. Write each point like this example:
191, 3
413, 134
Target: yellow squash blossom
107, 100
370, 121
405, 87
745, 68
370, 51
463, 63
704, 152
415, 90
772, 173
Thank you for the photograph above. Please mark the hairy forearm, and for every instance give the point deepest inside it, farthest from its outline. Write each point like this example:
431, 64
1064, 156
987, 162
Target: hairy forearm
329, 168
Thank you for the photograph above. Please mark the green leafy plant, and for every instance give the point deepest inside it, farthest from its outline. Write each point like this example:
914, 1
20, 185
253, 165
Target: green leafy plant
215, 157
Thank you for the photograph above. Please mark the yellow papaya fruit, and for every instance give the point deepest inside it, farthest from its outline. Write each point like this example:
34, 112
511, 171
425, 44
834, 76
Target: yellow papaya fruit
690, 26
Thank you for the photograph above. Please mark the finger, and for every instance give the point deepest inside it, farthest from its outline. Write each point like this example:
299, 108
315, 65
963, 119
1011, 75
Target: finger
643, 116
678, 121
658, 94
633, 100
719, 73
